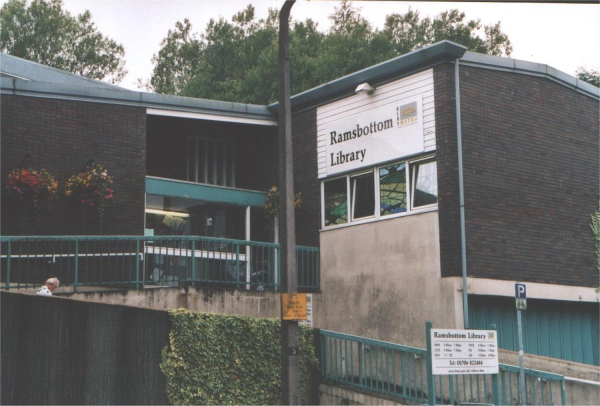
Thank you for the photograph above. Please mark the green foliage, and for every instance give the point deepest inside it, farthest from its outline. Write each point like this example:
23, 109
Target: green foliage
47, 34
591, 76
238, 60
223, 359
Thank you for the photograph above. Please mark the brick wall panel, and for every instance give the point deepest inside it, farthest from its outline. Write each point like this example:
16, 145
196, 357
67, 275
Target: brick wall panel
61, 136
531, 174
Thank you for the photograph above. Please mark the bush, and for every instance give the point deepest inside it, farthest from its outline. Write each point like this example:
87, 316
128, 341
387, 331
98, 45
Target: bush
224, 359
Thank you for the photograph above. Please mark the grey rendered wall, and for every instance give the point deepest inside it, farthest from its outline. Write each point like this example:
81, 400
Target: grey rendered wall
60, 351
382, 280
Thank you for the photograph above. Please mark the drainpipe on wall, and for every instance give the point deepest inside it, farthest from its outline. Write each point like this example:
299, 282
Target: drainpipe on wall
461, 193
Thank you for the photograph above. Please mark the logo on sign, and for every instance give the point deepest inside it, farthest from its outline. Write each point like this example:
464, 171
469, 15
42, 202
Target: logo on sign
407, 114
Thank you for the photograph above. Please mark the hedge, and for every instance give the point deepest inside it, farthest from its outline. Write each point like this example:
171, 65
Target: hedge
225, 359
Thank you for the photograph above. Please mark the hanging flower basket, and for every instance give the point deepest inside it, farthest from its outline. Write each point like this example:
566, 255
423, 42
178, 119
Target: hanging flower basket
272, 204
93, 189
34, 189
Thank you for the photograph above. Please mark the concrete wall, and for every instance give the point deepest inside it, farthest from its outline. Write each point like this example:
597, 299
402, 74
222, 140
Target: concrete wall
336, 395
242, 302
382, 280
61, 351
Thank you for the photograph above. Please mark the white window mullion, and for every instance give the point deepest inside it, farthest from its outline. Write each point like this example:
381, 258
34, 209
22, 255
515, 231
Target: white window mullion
322, 205
349, 207
377, 192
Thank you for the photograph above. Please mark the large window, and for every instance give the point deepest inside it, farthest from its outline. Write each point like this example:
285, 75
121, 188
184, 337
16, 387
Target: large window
387, 191
210, 161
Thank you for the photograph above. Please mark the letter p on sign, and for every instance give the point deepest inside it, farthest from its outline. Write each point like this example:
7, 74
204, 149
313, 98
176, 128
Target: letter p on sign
520, 292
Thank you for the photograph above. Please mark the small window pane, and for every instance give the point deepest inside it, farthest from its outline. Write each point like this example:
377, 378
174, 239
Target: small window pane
363, 195
424, 190
392, 189
336, 202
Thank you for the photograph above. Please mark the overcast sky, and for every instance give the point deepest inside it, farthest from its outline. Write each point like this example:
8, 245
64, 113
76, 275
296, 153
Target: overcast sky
564, 36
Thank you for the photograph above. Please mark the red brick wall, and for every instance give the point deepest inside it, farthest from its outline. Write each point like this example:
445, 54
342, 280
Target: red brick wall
531, 172
61, 136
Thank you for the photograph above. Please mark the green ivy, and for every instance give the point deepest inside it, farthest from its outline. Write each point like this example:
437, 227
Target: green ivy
225, 359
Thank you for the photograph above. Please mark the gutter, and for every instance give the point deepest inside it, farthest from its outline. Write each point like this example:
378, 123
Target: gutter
461, 193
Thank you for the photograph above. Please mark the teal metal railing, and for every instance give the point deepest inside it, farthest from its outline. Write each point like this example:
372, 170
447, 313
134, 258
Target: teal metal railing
135, 261
374, 366
401, 372
307, 264
543, 388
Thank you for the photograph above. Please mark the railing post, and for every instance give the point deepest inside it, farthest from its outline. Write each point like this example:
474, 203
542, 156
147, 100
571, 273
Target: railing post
137, 264
317, 267
8, 265
193, 259
237, 266
430, 382
495, 378
563, 391
76, 280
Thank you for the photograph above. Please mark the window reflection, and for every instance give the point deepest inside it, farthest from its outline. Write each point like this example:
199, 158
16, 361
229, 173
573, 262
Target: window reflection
392, 189
425, 191
336, 202
363, 195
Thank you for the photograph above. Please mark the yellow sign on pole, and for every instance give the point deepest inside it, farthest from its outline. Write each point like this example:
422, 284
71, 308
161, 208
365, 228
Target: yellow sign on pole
293, 306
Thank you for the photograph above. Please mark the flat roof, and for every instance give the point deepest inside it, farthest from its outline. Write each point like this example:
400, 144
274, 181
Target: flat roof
26, 78
427, 57
421, 58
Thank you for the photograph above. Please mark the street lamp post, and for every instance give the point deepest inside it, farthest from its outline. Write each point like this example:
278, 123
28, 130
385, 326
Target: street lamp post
290, 343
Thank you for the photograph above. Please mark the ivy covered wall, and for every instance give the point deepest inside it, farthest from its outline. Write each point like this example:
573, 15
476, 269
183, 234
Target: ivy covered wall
223, 359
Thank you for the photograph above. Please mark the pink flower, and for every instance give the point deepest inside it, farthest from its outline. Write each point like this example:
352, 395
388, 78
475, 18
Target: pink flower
82, 200
92, 204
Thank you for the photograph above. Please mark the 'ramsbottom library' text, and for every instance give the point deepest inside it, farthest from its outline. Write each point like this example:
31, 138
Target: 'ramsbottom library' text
360, 154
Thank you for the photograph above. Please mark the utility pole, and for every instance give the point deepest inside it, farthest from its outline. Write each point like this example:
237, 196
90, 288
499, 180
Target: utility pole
290, 343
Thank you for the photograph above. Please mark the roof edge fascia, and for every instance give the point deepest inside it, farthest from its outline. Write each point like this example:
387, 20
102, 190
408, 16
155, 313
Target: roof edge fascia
529, 68
444, 50
133, 98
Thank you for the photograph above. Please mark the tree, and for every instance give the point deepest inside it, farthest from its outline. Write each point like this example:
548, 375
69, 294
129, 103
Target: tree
237, 60
47, 34
591, 76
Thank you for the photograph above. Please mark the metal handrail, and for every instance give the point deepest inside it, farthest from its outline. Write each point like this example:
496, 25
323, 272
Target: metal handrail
132, 260
399, 371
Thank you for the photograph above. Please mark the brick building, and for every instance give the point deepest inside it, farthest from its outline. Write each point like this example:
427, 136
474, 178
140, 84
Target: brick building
379, 172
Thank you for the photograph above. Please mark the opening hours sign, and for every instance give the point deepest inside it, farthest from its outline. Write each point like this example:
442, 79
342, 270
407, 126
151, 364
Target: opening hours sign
464, 352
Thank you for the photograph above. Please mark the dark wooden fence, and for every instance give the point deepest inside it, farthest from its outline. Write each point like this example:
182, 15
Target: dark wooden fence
61, 351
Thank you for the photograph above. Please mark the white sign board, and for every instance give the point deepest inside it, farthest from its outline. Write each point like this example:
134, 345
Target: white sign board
378, 135
464, 352
309, 311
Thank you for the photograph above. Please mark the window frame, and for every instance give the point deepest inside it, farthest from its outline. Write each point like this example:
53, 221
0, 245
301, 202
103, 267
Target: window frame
413, 181
410, 210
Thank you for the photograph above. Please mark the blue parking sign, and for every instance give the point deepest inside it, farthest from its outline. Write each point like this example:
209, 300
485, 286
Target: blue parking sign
520, 291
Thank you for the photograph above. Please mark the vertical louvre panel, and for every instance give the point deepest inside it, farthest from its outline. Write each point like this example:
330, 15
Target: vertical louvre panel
558, 329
